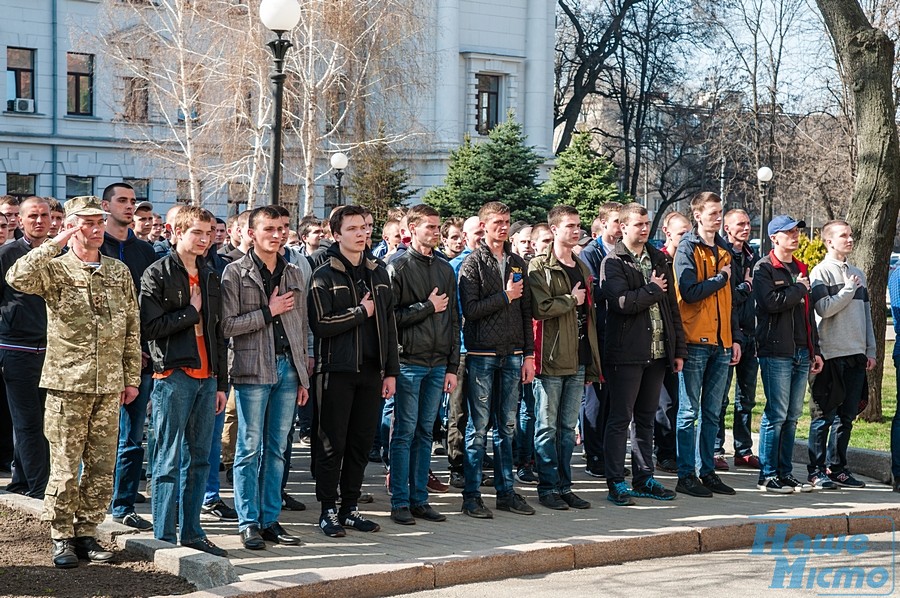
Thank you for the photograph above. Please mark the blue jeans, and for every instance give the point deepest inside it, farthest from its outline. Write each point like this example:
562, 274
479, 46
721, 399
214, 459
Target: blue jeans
784, 382
384, 429
130, 456
831, 450
745, 374
184, 410
704, 375
416, 404
265, 413
483, 372
557, 401
895, 430
525, 427
215, 456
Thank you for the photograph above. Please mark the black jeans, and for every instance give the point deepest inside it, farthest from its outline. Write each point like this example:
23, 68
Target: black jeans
666, 414
594, 415
745, 373
22, 374
347, 406
6, 428
634, 396
829, 433
457, 420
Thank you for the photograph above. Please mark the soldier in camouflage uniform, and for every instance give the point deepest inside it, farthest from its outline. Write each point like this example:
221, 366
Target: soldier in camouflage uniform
93, 365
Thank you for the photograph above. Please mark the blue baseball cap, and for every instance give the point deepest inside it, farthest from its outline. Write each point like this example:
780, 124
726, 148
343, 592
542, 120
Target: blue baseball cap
783, 223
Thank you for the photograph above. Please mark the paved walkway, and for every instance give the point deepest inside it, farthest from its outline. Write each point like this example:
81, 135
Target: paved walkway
464, 549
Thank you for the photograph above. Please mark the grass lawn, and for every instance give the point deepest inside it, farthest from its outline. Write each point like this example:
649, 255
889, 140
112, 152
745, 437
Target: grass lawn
869, 435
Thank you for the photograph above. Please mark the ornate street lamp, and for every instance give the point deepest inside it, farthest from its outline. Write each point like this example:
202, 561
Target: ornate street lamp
339, 163
280, 16
764, 176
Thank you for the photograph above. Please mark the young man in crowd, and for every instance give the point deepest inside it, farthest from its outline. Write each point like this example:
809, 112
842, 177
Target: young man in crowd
181, 318
424, 288
23, 345
743, 259
595, 405
520, 240
541, 238
788, 349
9, 207
264, 314
352, 316
143, 220
121, 242
92, 365
311, 234
675, 225
496, 305
704, 280
57, 216
458, 408
566, 355
840, 297
642, 301
156, 231
453, 239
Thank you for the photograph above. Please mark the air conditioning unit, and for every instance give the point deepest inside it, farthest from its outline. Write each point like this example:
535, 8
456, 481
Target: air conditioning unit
22, 105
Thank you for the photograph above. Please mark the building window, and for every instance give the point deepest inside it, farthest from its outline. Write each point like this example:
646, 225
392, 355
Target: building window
487, 103
20, 185
193, 101
76, 186
238, 195
141, 188
19, 79
337, 106
331, 198
289, 198
137, 100
183, 191
80, 84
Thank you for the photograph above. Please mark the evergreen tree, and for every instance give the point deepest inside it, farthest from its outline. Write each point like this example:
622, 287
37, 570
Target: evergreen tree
501, 169
582, 179
377, 182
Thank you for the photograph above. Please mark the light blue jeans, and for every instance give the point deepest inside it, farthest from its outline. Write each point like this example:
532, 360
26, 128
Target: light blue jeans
184, 410
784, 382
557, 401
416, 404
705, 374
265, 413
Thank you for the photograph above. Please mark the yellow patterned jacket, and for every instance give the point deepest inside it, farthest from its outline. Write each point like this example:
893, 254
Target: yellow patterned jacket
93, 326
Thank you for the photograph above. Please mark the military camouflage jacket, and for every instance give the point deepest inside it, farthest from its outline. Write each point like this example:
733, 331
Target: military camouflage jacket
93, 327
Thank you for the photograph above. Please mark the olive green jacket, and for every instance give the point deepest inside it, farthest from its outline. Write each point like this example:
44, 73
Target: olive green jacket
93, 326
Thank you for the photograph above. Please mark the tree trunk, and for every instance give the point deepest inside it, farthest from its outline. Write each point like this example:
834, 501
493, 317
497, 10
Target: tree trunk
866, 56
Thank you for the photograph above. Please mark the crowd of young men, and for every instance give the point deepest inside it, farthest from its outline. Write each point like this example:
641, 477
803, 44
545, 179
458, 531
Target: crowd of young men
535, 336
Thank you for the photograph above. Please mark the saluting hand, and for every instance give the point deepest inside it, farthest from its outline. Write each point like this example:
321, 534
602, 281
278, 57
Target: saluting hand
659, 280
578, 293
368, 304
439, 300
279, 304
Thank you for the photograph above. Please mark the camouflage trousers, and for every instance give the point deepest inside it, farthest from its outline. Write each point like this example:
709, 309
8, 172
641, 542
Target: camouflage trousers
82, 429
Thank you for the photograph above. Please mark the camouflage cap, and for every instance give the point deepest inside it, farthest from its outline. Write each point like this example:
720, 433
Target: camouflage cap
85, 205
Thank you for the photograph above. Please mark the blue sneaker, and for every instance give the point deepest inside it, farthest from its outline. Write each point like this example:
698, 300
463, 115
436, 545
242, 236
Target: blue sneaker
653, 489
620, 495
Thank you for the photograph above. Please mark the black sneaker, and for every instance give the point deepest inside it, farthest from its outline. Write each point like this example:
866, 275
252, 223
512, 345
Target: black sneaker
819, 479
653, 489
525, 475
204, 545
845, 479
797, 485
355, 520
713, 482
620, 495
667, 465
574, 501
514, 503
403, 516
474, 507
457, 480
487, 463
774, 486
427, 513
595, 468
218, 511
692, 486
289, 503
136, 521
330, 525
553, 501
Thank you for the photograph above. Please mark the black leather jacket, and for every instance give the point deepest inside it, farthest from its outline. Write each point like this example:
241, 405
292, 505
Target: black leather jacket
426, 338
335, 315
168, 318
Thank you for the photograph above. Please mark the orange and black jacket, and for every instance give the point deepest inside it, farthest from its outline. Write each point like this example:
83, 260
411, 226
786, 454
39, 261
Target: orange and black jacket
705, 292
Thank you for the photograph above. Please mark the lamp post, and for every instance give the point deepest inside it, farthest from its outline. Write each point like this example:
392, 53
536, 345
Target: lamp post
764, 176
280, 16
339, 163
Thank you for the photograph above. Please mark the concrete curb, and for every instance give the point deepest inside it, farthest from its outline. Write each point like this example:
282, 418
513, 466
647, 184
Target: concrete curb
559, 555
869, 463
201, 569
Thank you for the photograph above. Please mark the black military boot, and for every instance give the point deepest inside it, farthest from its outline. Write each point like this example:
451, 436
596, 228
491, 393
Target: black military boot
87, 549
63, 554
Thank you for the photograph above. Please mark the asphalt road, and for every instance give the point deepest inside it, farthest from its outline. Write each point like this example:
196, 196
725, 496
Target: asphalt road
716, 575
